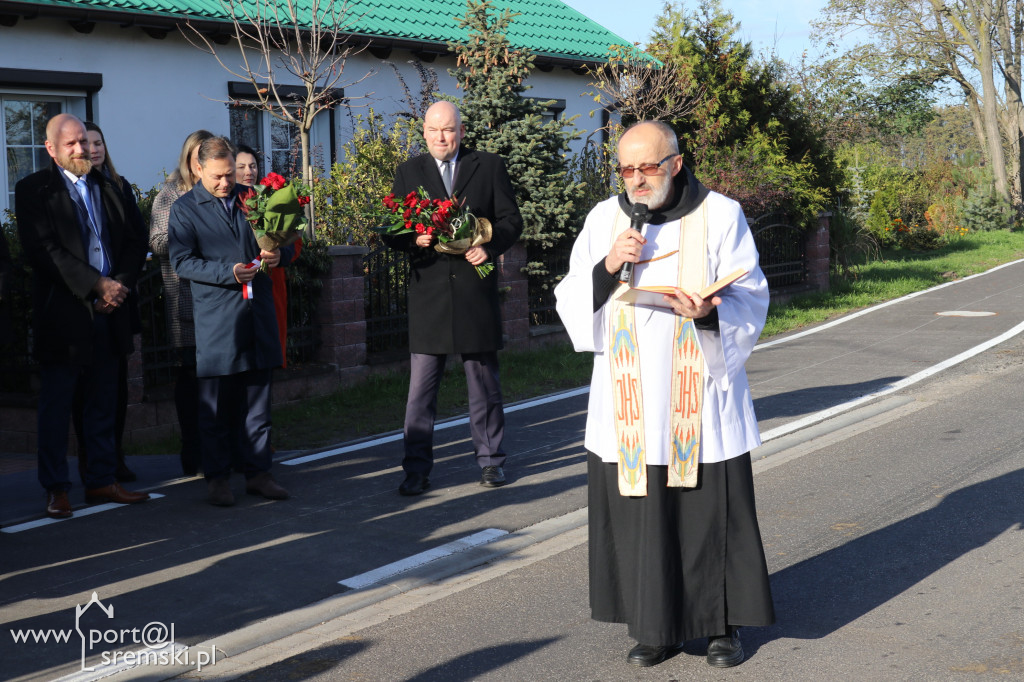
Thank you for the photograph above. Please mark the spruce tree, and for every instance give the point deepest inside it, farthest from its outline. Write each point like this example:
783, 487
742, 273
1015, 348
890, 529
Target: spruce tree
500, 119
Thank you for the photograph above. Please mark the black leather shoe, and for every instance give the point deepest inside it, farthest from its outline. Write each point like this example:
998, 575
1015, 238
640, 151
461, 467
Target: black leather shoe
646, 655
725, 651
492, 477
414, 484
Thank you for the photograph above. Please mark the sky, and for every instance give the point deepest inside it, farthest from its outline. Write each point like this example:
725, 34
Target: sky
763, 23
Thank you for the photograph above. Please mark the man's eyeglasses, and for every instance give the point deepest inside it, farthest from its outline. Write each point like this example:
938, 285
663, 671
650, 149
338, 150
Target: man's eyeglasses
646, 169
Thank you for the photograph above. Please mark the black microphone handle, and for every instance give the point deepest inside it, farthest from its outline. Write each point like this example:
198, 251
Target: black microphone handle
638, 218
626, 273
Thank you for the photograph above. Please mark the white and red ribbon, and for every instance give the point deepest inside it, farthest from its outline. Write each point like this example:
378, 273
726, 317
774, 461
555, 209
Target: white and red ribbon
247, 287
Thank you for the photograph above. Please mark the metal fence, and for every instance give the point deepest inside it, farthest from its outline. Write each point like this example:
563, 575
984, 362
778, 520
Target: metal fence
303, 337
782, 251
541, 288
387, 320
159, 359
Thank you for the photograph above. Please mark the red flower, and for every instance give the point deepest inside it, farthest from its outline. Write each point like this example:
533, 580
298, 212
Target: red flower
274, 181
303, 200
243, 200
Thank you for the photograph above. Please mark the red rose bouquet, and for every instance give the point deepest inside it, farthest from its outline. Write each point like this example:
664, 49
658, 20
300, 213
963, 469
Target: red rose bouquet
456, 229
275, 209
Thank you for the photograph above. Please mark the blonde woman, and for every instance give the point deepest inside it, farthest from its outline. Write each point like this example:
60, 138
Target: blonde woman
178, 300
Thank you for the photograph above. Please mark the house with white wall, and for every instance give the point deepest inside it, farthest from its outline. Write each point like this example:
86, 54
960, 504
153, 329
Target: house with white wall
127, 65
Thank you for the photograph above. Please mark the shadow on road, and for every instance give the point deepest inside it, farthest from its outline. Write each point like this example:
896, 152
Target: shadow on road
809, 400
819, 595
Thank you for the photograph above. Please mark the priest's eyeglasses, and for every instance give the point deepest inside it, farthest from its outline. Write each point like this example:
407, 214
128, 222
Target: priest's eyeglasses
646, 168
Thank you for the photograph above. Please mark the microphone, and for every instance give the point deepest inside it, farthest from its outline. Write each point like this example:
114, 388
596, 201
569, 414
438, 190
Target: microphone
637, 220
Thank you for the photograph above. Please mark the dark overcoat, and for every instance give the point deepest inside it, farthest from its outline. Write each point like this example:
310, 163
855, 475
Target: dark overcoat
55, 242
233, 334
451, 309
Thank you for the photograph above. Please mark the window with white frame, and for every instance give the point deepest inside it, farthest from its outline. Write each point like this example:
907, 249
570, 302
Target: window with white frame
273, 139
29, 98
276, 141
23, 119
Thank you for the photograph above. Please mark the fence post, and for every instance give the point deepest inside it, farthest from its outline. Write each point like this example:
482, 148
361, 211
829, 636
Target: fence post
515, 302
817, 249
342, 310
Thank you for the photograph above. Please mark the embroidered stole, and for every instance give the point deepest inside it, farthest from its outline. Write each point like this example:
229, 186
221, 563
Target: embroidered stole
687, 366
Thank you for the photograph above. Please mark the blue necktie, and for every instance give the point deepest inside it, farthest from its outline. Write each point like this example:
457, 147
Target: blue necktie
103, 261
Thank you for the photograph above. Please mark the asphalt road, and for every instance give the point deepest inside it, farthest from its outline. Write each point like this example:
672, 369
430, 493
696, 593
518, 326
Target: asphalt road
890, 497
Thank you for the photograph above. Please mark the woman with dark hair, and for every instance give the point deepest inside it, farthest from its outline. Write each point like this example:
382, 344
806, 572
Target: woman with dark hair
100, 157
247, 166
178, 300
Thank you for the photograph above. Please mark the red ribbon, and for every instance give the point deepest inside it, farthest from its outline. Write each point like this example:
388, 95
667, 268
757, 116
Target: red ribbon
247, 287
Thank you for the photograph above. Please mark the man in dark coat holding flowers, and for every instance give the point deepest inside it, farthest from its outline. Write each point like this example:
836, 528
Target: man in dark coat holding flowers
211, 244
452, 309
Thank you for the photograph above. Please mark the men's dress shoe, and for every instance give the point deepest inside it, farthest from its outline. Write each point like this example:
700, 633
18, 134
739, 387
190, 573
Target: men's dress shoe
646, 655
492, 477
114, 493
265, 485
725, 651
218, 492
414, 484
123, 474
57, 504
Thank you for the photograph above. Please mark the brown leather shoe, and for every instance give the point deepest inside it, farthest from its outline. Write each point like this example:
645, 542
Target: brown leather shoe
265, 485
114, 493
57, 504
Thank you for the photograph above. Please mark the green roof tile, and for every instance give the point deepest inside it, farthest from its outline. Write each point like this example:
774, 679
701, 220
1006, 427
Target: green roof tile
544, 27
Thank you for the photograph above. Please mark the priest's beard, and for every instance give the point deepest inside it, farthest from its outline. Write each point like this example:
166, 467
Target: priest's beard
659, 196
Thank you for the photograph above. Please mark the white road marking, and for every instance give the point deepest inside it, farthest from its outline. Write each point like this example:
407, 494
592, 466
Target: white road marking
854, 316
381, 574
78, 513
451, 423
890, 388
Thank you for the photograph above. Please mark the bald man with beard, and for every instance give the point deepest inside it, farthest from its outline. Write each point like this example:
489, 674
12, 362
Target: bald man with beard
86, 252
675, 549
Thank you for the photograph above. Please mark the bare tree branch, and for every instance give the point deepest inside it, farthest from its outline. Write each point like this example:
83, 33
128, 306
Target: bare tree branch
642, 89
282, 45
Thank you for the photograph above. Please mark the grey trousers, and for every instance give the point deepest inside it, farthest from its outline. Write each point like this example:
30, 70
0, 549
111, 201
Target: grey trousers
486, 413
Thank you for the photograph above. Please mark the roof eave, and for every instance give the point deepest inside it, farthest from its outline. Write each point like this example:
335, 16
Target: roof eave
10, 11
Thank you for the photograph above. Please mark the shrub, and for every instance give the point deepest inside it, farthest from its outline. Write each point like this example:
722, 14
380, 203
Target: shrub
347, 202
851, 244
985, 209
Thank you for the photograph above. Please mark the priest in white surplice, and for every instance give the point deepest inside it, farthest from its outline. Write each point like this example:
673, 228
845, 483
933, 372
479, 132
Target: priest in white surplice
675, 549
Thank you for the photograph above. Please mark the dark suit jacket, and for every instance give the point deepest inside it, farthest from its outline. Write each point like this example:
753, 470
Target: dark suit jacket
233, 334
452, 310
62, 279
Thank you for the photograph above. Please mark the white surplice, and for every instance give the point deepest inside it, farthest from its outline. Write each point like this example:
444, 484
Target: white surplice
728, 425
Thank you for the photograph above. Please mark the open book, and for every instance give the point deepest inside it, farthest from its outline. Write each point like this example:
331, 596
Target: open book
654, 296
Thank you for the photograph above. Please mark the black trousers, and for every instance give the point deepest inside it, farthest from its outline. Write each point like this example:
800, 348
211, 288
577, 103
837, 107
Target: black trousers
234, 415
98, 383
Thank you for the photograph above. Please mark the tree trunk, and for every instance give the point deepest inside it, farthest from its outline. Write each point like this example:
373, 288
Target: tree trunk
307, 171
990, 112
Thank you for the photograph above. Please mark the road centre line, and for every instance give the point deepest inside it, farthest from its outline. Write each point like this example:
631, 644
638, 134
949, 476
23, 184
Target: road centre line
774, 433
379, 575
